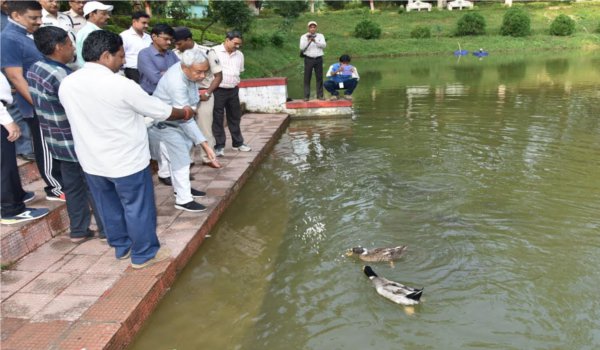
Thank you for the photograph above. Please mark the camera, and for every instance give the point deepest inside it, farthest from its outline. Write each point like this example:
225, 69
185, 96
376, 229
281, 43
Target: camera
312, 36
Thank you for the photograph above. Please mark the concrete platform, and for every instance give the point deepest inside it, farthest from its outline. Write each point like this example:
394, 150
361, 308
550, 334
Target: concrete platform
67, 296
318, 108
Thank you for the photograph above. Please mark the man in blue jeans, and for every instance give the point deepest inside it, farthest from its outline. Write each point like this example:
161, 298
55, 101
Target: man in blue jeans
106, 112
342, 76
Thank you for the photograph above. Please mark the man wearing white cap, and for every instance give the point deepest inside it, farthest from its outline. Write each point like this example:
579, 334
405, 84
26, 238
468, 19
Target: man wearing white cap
312, 45
97, 15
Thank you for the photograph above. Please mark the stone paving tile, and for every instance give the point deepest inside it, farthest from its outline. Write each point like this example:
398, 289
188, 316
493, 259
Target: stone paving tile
75, 264
12, 281
123, 298
91, 247
52, 283
36, 336
24, 305
9, 325
12, 246
36, 261
36, 235
91, 284
91, 336
65, 308
108, 264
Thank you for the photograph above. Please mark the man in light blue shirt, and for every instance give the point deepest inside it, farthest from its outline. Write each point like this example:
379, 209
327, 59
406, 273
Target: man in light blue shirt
171, 142
97, 15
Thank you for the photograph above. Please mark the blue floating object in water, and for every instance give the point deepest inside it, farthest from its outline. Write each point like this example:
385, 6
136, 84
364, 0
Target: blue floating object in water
480, 53
461, 52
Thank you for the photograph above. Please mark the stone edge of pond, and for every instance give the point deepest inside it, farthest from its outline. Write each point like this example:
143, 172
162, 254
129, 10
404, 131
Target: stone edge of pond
67, 296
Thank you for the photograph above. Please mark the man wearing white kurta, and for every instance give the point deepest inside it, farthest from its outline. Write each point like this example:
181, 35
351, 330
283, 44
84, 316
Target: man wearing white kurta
135, 39
171, 142
105, 111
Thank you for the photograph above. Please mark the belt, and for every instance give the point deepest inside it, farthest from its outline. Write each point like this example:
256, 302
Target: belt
223, 88
163, 125
314, 58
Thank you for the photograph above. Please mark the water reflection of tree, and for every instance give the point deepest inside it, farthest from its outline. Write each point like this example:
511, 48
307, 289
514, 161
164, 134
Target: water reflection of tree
370, 77
468, 74
420, 72
512, 72
557, 66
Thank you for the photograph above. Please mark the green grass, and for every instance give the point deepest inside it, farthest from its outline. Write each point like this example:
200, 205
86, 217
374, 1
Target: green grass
338, 28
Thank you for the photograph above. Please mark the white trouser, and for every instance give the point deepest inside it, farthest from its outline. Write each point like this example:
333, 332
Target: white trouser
180, 177
164, 170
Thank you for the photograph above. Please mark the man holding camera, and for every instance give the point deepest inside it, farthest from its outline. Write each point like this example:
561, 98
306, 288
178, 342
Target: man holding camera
312, 45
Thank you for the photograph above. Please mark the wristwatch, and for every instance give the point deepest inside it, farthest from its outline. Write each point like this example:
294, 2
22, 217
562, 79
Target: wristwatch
207, 94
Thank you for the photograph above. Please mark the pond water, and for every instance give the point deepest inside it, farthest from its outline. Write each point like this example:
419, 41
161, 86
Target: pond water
489, 170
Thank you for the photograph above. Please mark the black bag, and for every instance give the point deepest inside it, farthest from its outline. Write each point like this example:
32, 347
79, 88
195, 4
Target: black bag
302, 55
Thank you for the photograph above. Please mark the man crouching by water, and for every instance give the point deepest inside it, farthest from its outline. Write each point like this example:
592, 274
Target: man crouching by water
106, 112
171, 142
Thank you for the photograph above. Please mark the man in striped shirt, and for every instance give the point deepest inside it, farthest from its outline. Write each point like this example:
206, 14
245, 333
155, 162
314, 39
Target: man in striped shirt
44, 79
227, 95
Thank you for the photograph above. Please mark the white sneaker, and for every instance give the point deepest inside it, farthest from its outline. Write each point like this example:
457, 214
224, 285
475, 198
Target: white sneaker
243, 148
220, 152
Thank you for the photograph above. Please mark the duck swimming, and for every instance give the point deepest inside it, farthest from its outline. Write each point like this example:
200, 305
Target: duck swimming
378, 254
394, 291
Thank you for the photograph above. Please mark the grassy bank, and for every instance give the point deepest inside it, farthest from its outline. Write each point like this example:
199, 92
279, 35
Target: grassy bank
338, 27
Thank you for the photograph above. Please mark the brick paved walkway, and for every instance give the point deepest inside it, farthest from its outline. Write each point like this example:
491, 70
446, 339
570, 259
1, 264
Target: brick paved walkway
66, 296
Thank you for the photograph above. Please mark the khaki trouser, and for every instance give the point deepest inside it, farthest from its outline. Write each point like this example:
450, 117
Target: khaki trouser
204, 118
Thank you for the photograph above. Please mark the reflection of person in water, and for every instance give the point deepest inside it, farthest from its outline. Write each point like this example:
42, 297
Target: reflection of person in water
342, 76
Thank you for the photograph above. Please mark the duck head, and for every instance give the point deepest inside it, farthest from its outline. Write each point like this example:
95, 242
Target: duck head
356, 250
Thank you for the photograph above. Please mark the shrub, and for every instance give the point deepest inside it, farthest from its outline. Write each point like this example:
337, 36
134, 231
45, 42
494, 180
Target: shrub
562, 25
277, 39
598, 28
367, 29
258, 41
420, 32
334, 4
516, 22
470, 24
401, 9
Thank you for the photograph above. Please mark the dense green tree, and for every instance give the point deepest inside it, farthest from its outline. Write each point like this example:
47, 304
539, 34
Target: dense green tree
178, 10
289, 9
235, 14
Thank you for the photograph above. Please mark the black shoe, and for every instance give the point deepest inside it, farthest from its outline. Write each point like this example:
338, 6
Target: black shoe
165, 181
191, 206
198, 194
195, 193
29, 196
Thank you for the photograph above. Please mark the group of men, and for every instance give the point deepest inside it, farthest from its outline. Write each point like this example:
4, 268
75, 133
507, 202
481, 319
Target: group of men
95, 130
342, 75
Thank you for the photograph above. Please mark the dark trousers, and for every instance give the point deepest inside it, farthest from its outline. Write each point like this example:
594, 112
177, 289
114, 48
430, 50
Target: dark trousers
79, 200
227, 101
47, 166
126, 208
315, 64
12, 193
133, 74
349, 86
23, 144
